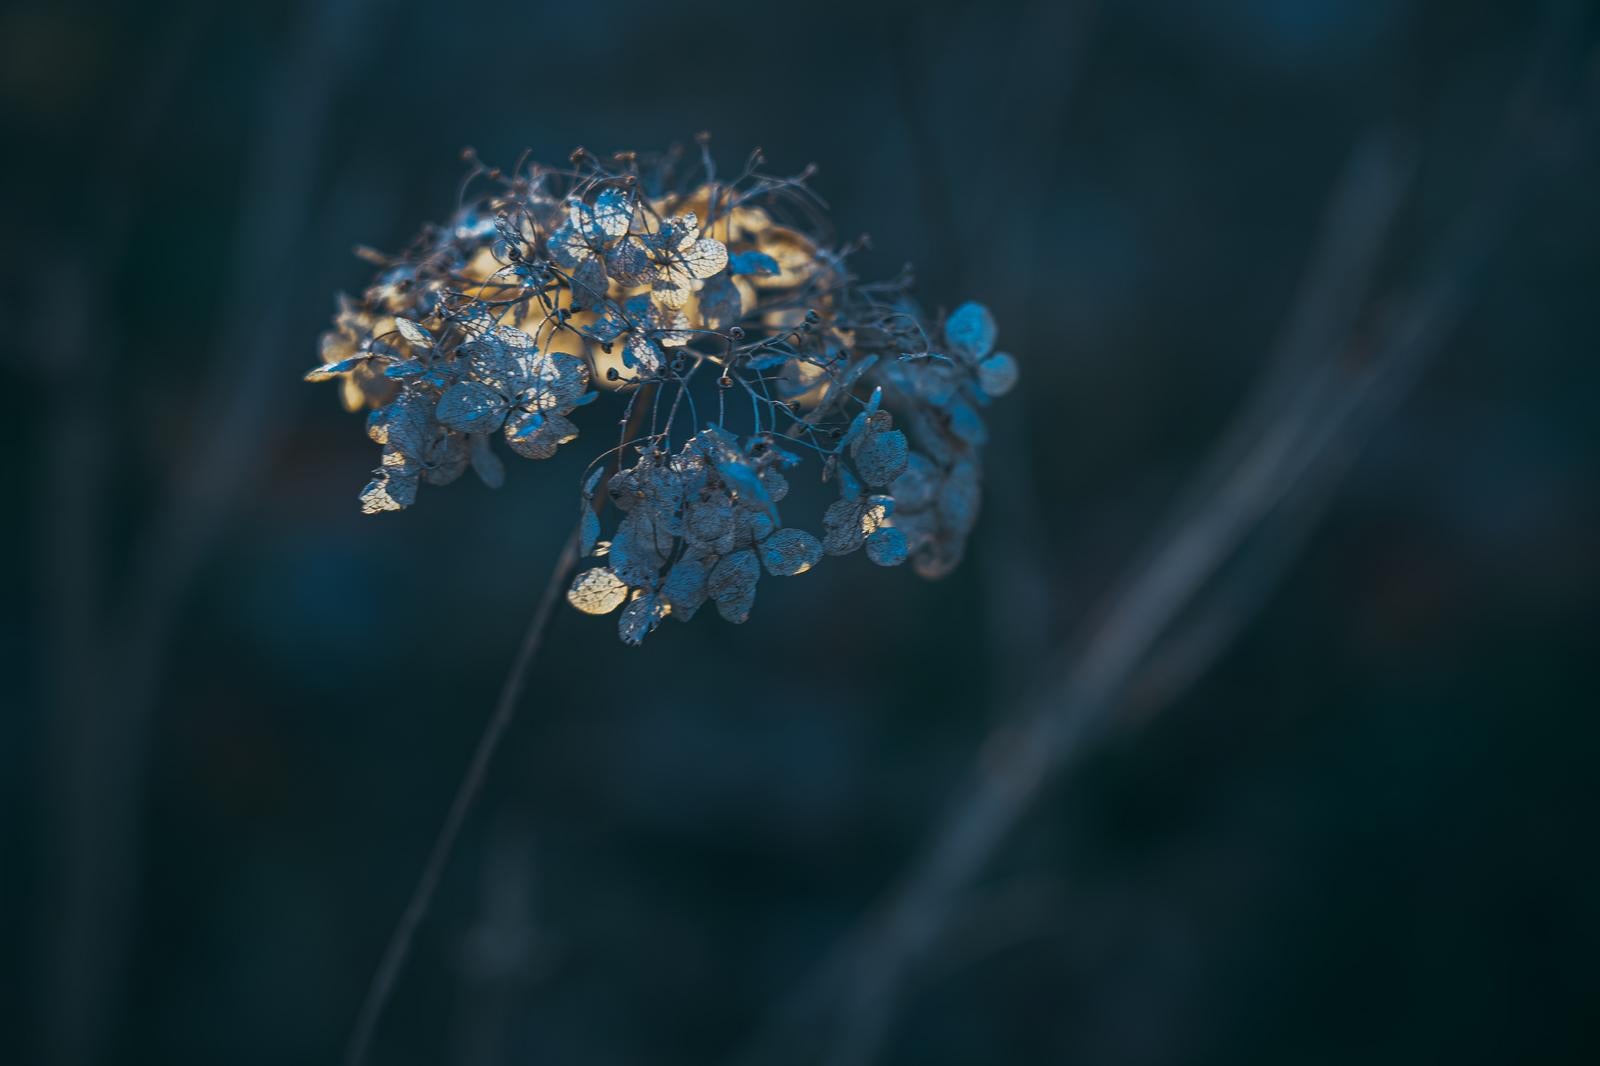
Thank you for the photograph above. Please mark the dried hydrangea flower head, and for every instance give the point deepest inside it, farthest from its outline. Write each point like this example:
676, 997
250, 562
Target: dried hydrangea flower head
739, 348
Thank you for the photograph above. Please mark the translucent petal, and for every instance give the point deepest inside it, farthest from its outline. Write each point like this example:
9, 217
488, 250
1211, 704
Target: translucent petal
407, 422
874, 513
708, 524
567, 246
842, 527
671, 326
608, 219
556, 383
589, 282
744, 481
332, 370
887, 547
919, 527
915, 489
486, 464
597, 591
849, 485
671, 289
627, 262
845, 382
411, 368
758, 263
475, 321
757, 527
414, 334
446, 459
536, 435
734, 577
397, 463
969, 332
790, 551
704, 258
858, 426
684, 589
611, 324
588, 531
634, 555
676, 233
639, 618
721, 305
388, 494
967, 423
959, 499
881, 457
642, 353
471, 407
794, 253
937, 559
997, 375
736, 609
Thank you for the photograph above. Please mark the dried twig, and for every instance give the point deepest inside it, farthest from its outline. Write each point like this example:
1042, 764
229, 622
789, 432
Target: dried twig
1084, 688
1312, 408
399, 946
1019, 755
101, 742
1311, 415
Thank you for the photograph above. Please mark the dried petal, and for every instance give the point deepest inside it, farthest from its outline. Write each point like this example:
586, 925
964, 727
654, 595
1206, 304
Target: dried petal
597, 591
589, 282
758, 263
486, 464
915, 489
887, 547
790, 551
414, 334
388, 494
704, 258
640, 618
588, 531
732, 584
471, 407
536, 435
635, 555
880, 457
969, 332
708, 524
997, 375
684, 589
721, 305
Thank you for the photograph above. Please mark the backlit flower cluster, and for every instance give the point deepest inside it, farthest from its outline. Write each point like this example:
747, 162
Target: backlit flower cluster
736, 346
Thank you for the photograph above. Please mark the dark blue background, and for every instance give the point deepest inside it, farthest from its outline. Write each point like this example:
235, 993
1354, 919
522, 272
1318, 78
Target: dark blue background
1365, 836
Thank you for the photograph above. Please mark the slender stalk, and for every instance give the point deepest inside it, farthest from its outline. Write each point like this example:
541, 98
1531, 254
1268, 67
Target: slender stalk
399, 946
109, 637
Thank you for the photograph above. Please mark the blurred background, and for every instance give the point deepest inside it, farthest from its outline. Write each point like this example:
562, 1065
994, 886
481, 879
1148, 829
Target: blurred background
238, 709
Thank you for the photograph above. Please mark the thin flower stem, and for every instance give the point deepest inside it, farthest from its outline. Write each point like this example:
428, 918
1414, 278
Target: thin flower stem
399, 946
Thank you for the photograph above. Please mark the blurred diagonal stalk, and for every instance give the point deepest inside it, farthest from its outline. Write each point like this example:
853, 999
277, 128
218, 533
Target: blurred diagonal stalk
77, 392
398, 949
1019, 755
95, 802
1318, 402
1314, 409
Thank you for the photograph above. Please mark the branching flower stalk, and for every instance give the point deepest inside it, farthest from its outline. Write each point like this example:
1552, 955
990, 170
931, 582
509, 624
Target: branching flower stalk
737, 343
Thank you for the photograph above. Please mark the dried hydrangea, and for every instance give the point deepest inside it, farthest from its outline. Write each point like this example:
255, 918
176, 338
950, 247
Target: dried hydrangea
738, 345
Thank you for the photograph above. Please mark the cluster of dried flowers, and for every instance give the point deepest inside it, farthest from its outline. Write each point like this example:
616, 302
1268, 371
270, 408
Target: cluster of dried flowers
740, 343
